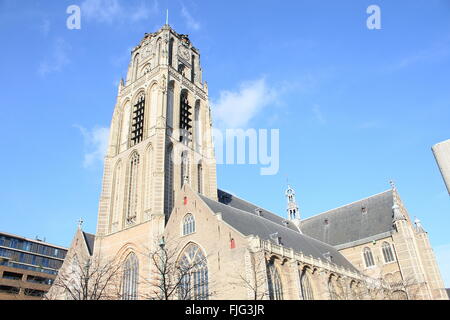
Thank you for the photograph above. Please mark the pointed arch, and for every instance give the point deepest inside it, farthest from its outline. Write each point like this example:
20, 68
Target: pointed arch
200, 177
184, 168
171, 51
138, 117
306, 288
170, 104
132, 188
130, 277
115, 198
387, 252
168, 180
159, 51
154, 105
188, 224
274, 281
136, 66
148, 184
125, 127
198, 126
368, 257
193, 267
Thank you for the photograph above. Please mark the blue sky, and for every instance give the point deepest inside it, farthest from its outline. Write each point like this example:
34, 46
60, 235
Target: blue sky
355, 107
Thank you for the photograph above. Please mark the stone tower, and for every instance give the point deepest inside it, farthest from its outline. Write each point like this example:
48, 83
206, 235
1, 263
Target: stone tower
160, 138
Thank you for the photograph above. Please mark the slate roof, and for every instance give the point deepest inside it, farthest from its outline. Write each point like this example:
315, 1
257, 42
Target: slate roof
90, 241
238, 203
249, 223
359, 220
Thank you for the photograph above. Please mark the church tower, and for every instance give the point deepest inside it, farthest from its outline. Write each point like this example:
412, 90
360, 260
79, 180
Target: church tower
160, 138
292, 207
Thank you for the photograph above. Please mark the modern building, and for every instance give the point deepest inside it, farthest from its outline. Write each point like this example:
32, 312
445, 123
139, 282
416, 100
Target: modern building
441, 152
160, 194
27, 267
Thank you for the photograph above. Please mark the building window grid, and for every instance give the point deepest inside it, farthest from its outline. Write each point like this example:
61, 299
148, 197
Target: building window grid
305, 286
130, 278
368, 258
137, 132
388, 253
274, 282
133, 189
188, 224
194, 269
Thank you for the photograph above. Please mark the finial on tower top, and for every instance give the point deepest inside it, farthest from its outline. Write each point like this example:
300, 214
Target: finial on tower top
80, 223
167, 17
392, 183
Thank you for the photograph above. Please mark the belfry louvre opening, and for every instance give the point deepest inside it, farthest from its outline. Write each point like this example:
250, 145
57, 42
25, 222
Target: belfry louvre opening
137, 132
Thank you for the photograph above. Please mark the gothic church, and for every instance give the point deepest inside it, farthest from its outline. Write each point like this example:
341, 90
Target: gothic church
160, 189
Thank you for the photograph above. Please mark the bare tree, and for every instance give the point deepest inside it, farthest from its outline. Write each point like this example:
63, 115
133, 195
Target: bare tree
87, 279
175, 276
255, 279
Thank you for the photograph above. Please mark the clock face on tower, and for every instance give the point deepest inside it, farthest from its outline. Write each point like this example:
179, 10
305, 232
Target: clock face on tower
184, 53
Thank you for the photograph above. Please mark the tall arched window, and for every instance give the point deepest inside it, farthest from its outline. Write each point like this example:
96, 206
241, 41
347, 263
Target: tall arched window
133, 189
137, 130
184, 168
197, 127
159, 53
136, 66
170, 104
168, 181
333, 288
274, 282
171, 52
185, 118
193, 68
193, 272
115, 199
200, 178
305, 286
387, 252
368, 257
149, 178
188, 224
130, 278
125, 127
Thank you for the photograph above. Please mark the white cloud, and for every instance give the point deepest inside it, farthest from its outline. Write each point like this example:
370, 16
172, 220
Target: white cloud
443, 257
58, 59
235, 109
109, 11
189, 19
96, 144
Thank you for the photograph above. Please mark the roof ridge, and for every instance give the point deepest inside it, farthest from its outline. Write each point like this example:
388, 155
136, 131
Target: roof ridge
296, 232
234, 195
348, 204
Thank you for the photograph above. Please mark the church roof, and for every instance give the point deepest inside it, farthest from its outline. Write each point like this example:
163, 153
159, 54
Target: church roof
359, 220
90, 241
249, 223
238, 203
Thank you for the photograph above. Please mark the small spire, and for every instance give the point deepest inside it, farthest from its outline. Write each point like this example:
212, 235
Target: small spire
80, 224
167, 17
293, 212
397, 214
419, 227
392, 183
